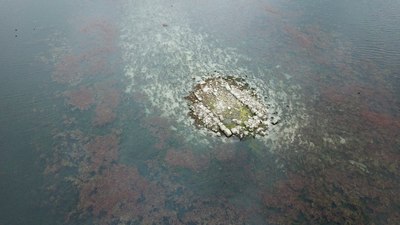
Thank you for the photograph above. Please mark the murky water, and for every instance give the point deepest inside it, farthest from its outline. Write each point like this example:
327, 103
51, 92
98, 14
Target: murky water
94, 126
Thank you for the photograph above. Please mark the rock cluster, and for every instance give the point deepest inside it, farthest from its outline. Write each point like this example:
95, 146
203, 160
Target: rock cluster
228, 106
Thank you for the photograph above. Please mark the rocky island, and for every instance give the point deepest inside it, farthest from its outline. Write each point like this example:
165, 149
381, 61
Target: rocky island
228, 106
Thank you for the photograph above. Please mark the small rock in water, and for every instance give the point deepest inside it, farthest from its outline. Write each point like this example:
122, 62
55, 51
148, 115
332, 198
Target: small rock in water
232, 108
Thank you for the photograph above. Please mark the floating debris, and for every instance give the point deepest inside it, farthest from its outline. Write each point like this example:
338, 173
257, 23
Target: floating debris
228, 106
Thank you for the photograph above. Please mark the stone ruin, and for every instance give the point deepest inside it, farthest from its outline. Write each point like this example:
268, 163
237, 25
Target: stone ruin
228, 106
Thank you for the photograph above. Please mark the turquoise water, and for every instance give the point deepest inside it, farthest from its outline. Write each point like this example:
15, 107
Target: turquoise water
94, 126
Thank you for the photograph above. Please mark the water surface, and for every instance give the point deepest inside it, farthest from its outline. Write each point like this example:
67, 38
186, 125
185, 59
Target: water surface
94, 126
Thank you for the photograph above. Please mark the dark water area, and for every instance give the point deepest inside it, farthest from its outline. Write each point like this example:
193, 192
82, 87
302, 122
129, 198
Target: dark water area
371, 27
27, 112
94, 127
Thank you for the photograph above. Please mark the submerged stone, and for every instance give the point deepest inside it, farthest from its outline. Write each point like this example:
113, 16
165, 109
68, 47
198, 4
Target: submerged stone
228, 106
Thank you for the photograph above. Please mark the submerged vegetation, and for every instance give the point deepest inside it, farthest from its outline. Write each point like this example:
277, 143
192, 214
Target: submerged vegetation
129, 166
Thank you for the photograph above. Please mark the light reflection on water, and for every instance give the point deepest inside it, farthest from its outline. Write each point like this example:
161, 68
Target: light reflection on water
108, 156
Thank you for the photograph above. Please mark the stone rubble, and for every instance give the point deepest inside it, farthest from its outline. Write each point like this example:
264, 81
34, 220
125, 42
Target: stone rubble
228, 106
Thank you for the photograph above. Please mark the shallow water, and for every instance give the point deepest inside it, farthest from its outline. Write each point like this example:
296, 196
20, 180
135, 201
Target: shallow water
94, 126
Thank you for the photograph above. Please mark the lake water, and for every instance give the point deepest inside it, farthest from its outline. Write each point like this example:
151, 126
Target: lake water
94, 125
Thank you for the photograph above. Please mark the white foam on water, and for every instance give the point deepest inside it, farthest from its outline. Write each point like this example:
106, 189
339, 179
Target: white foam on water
163, 55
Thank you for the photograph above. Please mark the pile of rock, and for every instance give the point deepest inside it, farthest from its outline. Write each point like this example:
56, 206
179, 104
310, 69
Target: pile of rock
228, 106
